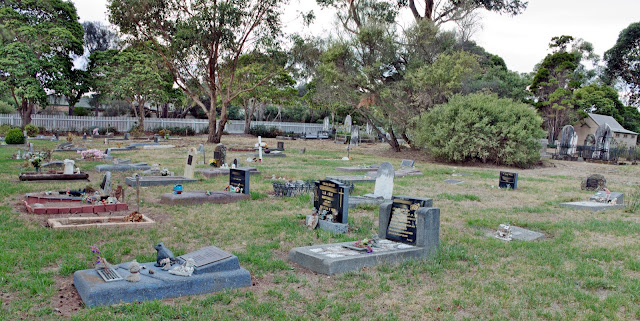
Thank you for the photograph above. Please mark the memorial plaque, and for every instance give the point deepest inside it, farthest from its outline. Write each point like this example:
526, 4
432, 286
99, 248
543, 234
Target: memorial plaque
333, 197
508, 180
206, 256
239, 178
402, 222
407, 163
281, 146
592, 183
190, 160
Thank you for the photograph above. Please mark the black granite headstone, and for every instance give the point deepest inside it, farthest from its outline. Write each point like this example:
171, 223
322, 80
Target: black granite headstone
402, 221
508, 180
239, 178
332, 196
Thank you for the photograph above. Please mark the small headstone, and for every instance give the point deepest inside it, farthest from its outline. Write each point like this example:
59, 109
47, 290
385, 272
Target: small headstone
69, 166
325, 124
220, 155
595, 182
156, 138
30, 147
303, 150
347, 124
235, 164
126, 136
384, 181
106, 183
239, 179
355, 135
508, 180
201, 149
190, 165
281, 146
407, 163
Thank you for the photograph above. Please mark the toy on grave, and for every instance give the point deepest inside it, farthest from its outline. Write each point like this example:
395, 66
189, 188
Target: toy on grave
134, 270
166, 264
177, 189
163, 253
186, 269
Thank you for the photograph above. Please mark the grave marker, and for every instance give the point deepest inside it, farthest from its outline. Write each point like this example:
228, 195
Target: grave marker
106, 183
347, 124
325, 124
281, 146
189, 166
407, 163
402, 221
333, 197
259, 145
355, 135
384, 181
508, 180
239, 178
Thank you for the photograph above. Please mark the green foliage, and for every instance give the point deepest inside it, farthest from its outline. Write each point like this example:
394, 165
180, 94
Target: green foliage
81, 111
481, 127
14, 137
623, 61
32, 130
264, 131
4, 129
7, 108
176, 131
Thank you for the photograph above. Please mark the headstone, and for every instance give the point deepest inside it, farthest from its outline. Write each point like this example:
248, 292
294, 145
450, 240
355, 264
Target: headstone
259, 146
235, 163
508, 180
190, 165
69, 166
30, 147
603, 140
281, 146
568, 141
220, 155
595, 182
126, 136
325, 124
347, 124
57, 136
384, 181
402, 220
156, 138
407, 163
369, 128
239, 179
303, 150
106, 183
332, 196
355, 135
84, 136
201, 149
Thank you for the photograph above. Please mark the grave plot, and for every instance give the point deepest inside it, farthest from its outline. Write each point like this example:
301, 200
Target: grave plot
600, 201
353, 178
407, 230
383, 190
168, 180
238, 190
122, 167
132, 220
69, 173
357, 169
330, 207
207, 270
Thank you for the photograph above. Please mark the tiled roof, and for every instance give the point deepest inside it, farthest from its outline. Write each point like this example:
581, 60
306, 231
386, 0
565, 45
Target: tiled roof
615, 126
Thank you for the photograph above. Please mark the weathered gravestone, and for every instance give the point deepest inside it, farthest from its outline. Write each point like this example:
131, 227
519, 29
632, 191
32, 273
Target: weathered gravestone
325, 124
190, 165
355, 135
408, 228
407, 163
508, 180
213, 270
383, 189
603, 141
105, 186
347, 124
568, 141
595, 182
331, 202
368, 129
220, 155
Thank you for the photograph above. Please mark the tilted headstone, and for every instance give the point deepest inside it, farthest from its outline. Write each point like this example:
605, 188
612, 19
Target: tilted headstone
407, 163
603, 140
239, 178
105, 186
190, 165
347, 124
568, 140
325, 124
508, 180
332, 196
355, 135
220, 155
384, 181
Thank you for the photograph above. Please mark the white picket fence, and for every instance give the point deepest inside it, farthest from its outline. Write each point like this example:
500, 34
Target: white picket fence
123, 124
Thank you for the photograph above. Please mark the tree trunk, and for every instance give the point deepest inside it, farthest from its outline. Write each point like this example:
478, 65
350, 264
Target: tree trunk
393, 142
25, 112
71, 107
211, 138
141, 115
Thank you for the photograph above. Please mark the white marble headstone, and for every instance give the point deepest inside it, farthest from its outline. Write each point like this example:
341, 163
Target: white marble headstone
325, 124
384, 181
191, 163
69, 165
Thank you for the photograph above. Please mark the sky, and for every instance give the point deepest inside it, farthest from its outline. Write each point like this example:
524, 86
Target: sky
522, 40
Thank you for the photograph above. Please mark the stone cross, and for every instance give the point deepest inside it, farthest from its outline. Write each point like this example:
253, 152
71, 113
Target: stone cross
384, 181
260, 144
190, 165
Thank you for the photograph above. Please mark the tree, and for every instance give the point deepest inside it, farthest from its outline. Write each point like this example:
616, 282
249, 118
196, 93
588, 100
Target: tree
556, 77
204, 40
604, 100
134, 74
623, 61
98, 37
37, 42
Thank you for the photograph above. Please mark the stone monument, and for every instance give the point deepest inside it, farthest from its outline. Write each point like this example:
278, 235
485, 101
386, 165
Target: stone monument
347, 124
383, 190
355, 135
190, 165
603, 141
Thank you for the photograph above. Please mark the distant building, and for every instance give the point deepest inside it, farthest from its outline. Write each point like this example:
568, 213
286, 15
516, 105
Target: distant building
587, 127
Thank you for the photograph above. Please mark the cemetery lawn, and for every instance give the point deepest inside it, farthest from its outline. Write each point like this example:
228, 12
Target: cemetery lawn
587, 267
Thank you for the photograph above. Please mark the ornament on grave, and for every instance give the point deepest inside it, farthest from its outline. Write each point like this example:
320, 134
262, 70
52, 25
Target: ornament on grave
166, 264
504, 232
163, 253
177, 189
134, 272
186, 269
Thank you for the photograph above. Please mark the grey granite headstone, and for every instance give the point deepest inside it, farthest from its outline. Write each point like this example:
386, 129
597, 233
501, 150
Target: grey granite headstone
407, 163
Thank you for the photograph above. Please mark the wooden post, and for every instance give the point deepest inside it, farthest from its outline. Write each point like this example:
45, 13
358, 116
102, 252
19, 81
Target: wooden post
138, 190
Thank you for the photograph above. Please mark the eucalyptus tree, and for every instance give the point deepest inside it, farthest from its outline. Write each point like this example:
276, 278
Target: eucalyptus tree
203, 40
38, 39
623, 61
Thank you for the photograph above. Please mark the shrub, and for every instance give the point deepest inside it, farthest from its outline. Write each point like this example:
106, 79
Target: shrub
32, 130
264, 131
481, 127
81, 111
176, 131
4, 129
135, 131
7, 108
14, 136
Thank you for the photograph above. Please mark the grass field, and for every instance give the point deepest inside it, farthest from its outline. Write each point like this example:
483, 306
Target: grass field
587, 267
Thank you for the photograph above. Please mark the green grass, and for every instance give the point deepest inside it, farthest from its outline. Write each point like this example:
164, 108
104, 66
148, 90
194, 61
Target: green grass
458, 197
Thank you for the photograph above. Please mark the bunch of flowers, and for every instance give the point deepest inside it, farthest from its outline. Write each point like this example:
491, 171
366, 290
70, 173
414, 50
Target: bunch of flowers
366, 243
95, 250
91, 154
212, 162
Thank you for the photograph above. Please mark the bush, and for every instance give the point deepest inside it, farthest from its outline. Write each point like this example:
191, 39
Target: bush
4, 129
264, 131
14, 136
176, 131
81, 111
32, 130
481, 127
7, 108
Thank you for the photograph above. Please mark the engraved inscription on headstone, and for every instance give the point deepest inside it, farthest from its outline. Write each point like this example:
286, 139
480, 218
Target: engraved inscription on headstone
206, 256
402, 222
239, 178
190, 160
508, 180
332, 196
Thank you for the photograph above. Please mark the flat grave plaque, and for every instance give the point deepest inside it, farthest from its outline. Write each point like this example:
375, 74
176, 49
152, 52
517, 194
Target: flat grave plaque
402, 223
508, 180
206, 256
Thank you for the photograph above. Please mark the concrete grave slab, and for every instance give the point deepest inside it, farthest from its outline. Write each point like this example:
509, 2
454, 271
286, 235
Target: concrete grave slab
271, 154
223, 171
98, 222
158, 180
201, 197
353, 178
598, 202
356, 169
454, 181
122, 167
